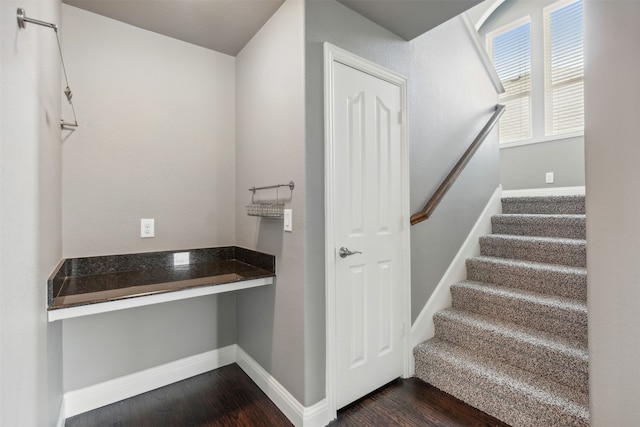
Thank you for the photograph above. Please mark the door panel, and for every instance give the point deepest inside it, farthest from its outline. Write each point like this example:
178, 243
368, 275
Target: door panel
367, 218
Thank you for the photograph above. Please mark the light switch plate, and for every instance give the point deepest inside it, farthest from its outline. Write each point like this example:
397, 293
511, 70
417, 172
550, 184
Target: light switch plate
288, 220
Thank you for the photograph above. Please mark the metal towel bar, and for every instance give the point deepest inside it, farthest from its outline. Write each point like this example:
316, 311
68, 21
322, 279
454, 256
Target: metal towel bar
22, 20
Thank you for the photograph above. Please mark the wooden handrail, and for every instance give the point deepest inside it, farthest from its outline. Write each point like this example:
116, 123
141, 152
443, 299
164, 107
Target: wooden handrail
435, 199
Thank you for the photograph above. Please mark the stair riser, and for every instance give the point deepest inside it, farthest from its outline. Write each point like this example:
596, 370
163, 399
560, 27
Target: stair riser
567, 205
569, 228
567, 323
564, 368
572, 253
570, 283
497, 399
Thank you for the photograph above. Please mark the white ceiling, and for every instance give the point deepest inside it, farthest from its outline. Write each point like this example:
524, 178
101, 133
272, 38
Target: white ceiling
227, 25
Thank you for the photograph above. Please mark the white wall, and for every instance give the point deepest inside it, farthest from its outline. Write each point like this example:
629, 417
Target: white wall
612, 90
156, 140
270, 150
30, 215
524, 166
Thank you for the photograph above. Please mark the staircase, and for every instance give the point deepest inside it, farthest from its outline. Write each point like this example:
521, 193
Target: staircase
514, 342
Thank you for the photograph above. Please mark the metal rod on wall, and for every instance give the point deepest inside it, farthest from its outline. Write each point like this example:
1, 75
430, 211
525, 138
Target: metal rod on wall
22, 20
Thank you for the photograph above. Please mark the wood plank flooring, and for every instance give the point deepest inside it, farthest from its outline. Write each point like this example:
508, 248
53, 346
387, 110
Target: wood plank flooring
228, 397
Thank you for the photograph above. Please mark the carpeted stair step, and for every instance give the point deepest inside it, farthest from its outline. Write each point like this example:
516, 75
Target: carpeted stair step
503, 391
556, 315
544, 205
553, 358
550, 279
566, 226
572, 252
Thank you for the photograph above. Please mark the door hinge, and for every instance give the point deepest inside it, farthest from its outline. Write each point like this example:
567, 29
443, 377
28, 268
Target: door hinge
400, 117
403, 329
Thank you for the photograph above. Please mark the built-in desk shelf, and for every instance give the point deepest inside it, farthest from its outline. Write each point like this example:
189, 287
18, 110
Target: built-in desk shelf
86, 286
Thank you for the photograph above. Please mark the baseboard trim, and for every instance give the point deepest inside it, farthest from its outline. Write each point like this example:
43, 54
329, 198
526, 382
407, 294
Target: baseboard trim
299, 415
551, 191
62, 415
423, 328
89, 398
98, 395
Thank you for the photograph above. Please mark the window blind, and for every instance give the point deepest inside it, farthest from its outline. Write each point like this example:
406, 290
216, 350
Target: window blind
511, 53
564, 67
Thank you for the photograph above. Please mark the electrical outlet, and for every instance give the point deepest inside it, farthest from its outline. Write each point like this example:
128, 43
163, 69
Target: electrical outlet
147, 228
181, 258
288, 220
548, 178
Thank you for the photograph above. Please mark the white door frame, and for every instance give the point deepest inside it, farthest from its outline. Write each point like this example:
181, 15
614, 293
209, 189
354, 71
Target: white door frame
333, 54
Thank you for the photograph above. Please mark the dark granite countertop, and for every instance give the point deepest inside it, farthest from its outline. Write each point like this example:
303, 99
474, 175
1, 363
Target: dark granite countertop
82, 281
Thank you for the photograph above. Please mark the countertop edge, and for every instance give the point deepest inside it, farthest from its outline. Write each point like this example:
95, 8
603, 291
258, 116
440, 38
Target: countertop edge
157, 298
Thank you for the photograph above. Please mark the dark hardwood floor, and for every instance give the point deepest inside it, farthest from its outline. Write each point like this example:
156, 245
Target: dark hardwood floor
228, 397
412, 402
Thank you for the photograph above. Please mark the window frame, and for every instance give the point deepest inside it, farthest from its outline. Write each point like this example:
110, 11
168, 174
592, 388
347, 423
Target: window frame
538, 101
547, 11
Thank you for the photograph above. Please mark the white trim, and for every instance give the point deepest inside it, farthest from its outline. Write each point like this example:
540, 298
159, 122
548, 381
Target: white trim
103, 307
312, 416
550, 138
334, 54
487, 13
105, 393
482, 53
423, 328
62, 414
551, 191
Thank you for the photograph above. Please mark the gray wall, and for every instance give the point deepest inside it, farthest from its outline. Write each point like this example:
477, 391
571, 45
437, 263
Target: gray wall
270, 150
612, 91
524, 166
105, 346
450, 99
156, 140
30, 216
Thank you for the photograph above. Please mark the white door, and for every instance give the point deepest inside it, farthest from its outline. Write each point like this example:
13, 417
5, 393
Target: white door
367, 218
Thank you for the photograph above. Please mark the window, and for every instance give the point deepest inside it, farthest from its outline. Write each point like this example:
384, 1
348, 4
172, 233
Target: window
539, 60
510, 50
564, 68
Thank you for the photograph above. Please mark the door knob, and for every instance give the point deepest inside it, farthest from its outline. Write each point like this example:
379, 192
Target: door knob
344, 252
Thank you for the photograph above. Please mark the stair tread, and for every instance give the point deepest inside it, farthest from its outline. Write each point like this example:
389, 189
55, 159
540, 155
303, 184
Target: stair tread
545, 278
510, 262
567, 347
554, 199
553, 250
540, 216
524, 295
544, 204
515, 237
553, 314
507, 378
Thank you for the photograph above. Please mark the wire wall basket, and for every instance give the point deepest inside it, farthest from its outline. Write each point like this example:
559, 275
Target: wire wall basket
267, 210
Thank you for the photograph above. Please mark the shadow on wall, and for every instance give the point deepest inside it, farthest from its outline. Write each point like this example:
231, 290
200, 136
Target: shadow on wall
270, 236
